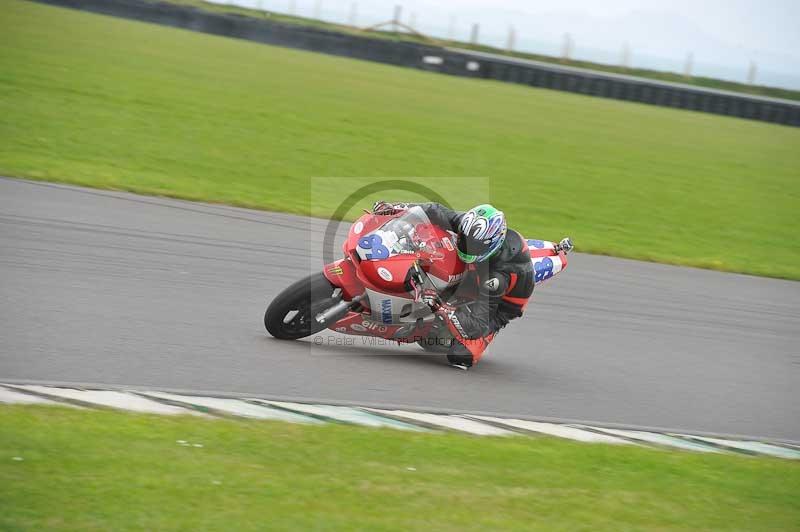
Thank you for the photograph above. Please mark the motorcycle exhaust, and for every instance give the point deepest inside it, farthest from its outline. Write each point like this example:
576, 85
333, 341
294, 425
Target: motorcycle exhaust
337, 312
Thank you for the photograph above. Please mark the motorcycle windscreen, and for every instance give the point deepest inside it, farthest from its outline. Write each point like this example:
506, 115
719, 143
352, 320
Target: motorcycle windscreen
409, 234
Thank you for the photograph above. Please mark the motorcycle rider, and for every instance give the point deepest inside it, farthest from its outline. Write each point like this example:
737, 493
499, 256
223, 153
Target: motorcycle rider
497, 262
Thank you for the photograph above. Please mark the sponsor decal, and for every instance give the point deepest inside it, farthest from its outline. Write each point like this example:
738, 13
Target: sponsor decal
448, 244
340, 329
492, 284
358, 227
543, 270
456, 277
451, 314
385, 274
358, 327
371, 325
372, 247
335, 270
386, 311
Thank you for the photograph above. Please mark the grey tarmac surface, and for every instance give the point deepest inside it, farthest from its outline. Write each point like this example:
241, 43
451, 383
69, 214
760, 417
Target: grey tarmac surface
118, 289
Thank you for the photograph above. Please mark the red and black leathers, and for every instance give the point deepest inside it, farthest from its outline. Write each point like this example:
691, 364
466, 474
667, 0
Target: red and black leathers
498, 287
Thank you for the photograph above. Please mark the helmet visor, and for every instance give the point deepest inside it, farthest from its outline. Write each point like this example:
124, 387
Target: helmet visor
469, 249
469, 259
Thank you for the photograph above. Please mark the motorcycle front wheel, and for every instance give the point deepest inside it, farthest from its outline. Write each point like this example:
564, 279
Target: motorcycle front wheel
291, 315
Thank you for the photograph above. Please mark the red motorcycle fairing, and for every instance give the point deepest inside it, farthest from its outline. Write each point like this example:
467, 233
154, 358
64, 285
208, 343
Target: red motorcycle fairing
356, 324
384, 277
387, 275
442, 262
342, 273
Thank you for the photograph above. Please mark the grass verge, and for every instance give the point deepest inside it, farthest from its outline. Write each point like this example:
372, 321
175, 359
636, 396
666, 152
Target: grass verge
101, 470
117, 104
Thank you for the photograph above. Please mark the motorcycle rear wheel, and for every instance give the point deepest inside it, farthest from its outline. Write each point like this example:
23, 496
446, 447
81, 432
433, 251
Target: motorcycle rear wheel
291, 315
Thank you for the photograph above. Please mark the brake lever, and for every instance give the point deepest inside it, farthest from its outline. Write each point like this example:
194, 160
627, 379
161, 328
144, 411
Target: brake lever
416, 283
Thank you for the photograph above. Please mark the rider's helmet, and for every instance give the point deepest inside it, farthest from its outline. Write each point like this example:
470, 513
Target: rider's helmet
481, 233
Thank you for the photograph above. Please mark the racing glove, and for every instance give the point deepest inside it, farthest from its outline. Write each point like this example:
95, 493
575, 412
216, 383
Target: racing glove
387, 208
431, 298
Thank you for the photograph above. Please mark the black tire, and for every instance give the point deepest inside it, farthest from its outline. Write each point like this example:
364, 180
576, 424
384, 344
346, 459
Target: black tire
305, 298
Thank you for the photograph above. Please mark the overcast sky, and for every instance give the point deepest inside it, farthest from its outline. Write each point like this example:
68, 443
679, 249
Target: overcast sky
723, 35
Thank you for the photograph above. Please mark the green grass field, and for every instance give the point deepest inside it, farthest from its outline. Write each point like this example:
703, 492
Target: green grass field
116, 104
102, 470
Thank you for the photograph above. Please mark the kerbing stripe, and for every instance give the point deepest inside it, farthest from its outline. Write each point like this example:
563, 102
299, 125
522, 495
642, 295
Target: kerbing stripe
343, 414
657, 439
457, 423
233, 407
750, 447
552, 429
155, 402
14, 397
108, 399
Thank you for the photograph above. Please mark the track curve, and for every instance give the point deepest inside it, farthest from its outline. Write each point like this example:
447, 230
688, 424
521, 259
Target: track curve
119, 289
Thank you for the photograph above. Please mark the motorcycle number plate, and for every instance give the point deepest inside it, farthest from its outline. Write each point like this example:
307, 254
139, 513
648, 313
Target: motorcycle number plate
376, 245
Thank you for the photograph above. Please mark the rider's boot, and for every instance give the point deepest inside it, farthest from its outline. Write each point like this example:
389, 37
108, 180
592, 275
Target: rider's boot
459, 365
459, 359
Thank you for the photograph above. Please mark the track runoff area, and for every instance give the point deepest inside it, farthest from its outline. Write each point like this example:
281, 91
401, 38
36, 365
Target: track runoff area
180, 289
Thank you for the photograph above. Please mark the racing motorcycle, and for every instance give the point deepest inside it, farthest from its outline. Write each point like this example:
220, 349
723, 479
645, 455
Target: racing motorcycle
381, 288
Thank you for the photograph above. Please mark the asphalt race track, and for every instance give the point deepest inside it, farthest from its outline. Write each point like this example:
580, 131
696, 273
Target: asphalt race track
117, 289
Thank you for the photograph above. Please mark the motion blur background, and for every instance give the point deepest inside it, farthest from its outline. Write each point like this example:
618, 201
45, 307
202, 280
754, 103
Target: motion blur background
716, 38
166, 167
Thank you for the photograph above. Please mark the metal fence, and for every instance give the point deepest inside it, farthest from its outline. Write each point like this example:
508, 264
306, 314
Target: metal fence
451, 61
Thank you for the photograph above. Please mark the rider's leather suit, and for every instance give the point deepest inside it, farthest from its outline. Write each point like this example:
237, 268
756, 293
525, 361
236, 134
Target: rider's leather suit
499, 286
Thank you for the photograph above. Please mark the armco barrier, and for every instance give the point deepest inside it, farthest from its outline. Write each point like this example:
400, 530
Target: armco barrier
450, 61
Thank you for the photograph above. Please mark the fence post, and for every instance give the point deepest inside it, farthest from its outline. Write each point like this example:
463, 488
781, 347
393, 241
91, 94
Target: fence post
451, 28
398, 12
352, 18
512, 38
625, 57
688, 65
751, 73
474, 35
566, 49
